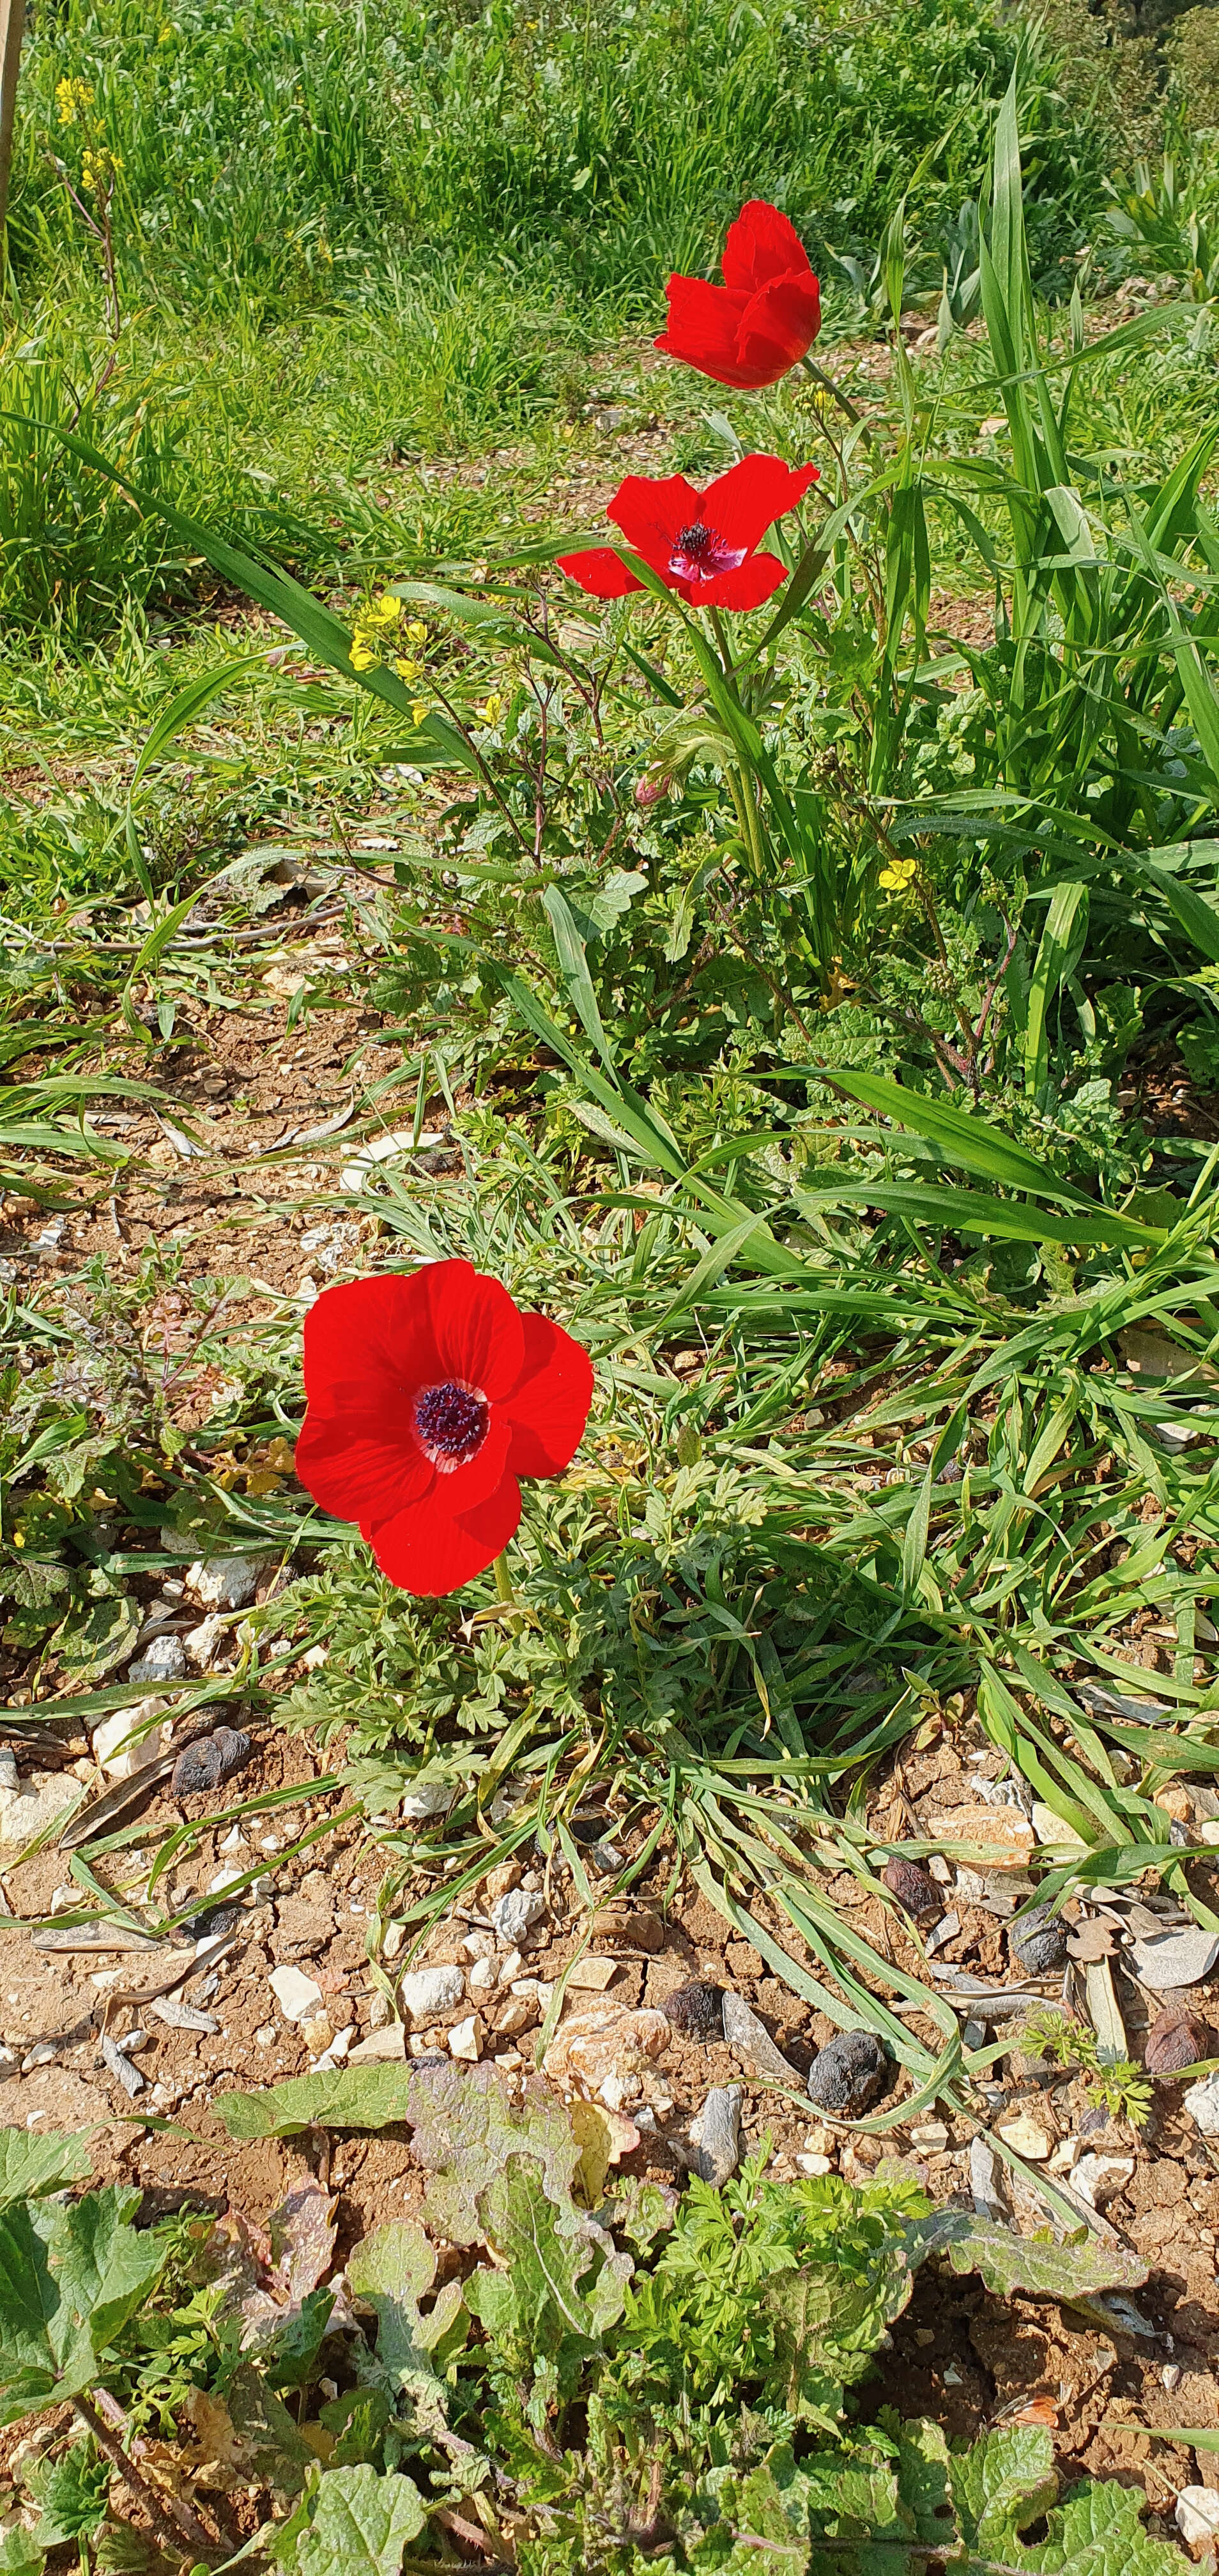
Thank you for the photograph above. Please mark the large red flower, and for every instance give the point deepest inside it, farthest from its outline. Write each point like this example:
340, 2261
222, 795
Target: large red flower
428, 1397
764, 317
701, 543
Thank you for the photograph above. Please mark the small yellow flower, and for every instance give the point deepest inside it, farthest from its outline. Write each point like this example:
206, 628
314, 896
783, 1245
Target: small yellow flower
99, 168
419, 711
899, 874
362, 653
417, 631
494, 708
384, 611
72, 97
407, 671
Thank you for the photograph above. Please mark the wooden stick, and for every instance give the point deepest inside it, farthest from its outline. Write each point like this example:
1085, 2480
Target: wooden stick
12, 29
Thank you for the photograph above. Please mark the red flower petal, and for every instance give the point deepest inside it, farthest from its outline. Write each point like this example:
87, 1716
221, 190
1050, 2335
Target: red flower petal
781, 322
365, 1337
425, 1549
650, 510
354, 1464
549, 1409
762, 244
601, 572
747, 587
703, 330
476, 1328
743, 503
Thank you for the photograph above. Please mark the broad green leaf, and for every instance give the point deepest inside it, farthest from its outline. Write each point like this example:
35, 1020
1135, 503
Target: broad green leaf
1013, 2266
1000, 2484
70, 2277
558, 2292
353, 2097
34, 2162
389, 2273
361, 2523
1097, 2530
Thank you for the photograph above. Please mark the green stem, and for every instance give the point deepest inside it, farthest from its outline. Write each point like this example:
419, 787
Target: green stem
820, 378
503, 1582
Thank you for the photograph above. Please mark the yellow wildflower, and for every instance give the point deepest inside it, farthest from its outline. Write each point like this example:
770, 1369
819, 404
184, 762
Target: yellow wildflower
384, 611
362, 653
494, 708
417, 631
899, 874
72, 97
407, 671
419, 711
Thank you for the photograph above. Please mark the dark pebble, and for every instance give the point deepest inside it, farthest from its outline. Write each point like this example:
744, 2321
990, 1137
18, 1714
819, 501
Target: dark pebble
209, 1760
848, 2074
1039, 1942
697, 2011
913, 1886
216, 1920
1175, 2040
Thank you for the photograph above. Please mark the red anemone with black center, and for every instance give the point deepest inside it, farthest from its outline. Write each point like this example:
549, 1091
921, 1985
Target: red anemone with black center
702, 544
765, 316
429, 1396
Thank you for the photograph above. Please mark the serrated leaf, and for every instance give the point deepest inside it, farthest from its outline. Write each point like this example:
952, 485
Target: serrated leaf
1097, 2530
32, 2163
562, 2286
361, 2524
70, 2277
1000, 2484
101, 1637
1010, 2264
353, 2097
389, 2273
827, 2323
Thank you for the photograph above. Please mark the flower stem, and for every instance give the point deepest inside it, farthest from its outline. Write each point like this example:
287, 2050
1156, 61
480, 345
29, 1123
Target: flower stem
820, 378
503, 1582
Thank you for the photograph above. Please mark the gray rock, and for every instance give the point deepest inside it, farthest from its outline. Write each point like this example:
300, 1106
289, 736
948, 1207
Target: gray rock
749, 2039
515, 1913
1038, 1943
163, 1660
986, 2183
696, 2010
224, 1582
715, 2136
1197, 2515
428, 1992
1202, 2104
848, 2074
1176, 1958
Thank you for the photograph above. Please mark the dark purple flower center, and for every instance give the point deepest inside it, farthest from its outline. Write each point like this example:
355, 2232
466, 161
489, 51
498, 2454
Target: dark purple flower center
451, 1421
700, 553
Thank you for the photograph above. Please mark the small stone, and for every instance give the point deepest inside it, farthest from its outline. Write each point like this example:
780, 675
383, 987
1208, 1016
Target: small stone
1001, 1834
37, 1805
1065, 2157
515, 1912
379, 2011
394, 1941
317, 2031
912, 1885
163, 1660
940, 1870
428, 1992
297, 1995
716, 2135
336, 2050
1176, 1958
481, 1976
226, 1582
1038, 1942
814, 2164
592, 1976
930, 2137
384, 2046
818, 2141
696, 2011
1096, 2177
203, 1644
510, 1967
848, 2074
266, 2035
748, 2038
1025, 2138
477, 1945
1175, 2040
430, 1799
119, 1750
519, 2014
638, 1929
465, 2039
210, 1759
40, 2056
1197, 2515
1171, 2376
500, 1882
985, 2182
1202, 2104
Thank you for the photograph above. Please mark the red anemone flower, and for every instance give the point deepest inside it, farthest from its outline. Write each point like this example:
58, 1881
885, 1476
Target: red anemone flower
701, 543
428, 1397
764, 317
